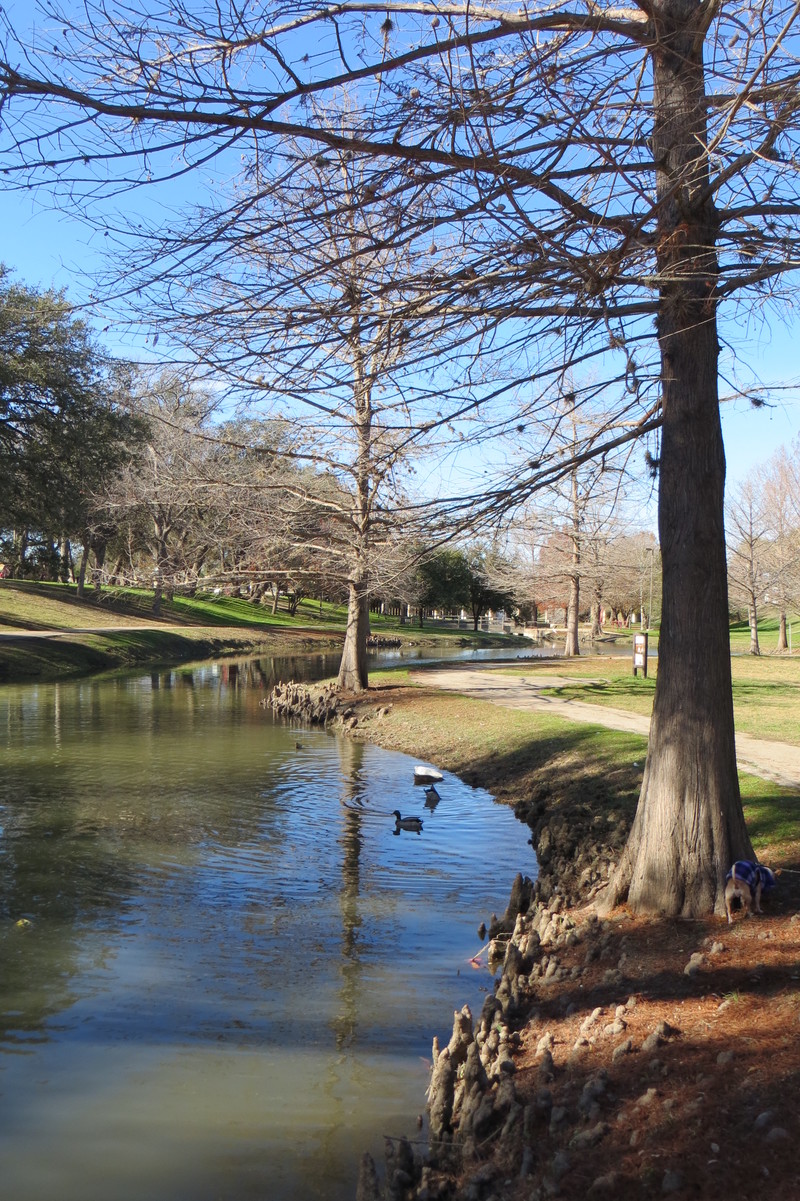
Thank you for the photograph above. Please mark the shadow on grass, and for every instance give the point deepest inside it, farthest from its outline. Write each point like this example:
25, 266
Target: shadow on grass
15, 623
580, 763
619, 688
772, 814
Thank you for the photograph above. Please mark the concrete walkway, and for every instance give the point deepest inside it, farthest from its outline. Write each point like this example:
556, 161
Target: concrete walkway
777, 761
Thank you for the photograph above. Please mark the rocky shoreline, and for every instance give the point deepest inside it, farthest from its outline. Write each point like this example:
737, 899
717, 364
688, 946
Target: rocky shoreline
475, 1114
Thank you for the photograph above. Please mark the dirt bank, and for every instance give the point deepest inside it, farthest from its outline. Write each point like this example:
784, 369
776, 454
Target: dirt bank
620, 1058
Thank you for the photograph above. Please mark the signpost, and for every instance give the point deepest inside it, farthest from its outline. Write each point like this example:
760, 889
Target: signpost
640, 654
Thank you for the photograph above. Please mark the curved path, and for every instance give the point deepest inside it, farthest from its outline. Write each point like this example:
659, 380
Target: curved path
777, 761
10, 635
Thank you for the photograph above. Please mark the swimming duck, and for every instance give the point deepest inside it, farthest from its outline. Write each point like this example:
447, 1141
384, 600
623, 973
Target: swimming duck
407, 823
432, 797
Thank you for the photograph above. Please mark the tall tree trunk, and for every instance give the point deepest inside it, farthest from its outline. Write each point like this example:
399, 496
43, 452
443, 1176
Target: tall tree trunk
21, 549
353, 675
689, 824
571, 647
783, 645
99, 547
158, 590
66, 568
597, 609
158, 575
752, 617
81, 580
162, 526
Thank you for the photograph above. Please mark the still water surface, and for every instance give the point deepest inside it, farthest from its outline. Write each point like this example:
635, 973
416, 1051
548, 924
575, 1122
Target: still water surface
233, 966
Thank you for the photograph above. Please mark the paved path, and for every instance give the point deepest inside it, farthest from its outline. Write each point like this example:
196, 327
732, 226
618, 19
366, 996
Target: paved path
778, 761
10, 635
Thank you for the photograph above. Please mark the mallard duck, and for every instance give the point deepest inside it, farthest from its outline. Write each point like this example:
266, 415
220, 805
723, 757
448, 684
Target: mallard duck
407, 823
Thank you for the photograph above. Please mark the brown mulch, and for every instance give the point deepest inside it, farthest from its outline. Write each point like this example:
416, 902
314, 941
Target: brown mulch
713, 1111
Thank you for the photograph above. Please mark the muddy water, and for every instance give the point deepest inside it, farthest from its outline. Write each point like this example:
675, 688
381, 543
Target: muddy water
220, 967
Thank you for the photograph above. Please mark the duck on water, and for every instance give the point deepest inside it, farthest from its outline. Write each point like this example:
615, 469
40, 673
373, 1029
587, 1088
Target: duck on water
406, 823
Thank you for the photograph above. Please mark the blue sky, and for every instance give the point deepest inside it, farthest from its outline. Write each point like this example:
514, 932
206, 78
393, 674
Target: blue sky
46, 247
752, 436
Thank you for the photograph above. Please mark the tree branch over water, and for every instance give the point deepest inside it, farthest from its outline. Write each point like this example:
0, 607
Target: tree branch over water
583, 197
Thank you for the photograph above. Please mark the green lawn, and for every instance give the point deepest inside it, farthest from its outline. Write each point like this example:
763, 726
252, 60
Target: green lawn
101, 633
766, 688
30, 605
518, 754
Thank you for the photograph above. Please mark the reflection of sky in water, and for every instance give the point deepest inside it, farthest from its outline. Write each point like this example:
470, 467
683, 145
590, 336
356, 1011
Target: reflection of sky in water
235, 966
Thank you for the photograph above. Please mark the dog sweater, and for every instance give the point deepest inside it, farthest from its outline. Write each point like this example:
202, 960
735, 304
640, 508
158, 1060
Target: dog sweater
753, 874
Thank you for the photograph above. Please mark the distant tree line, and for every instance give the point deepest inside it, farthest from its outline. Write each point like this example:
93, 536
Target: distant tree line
763, 527
116, 474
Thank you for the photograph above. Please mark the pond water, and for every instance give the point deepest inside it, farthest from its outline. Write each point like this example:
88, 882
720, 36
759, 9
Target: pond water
524, 648
220, 967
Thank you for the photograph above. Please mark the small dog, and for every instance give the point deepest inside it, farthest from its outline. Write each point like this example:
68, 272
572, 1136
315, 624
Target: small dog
747, 881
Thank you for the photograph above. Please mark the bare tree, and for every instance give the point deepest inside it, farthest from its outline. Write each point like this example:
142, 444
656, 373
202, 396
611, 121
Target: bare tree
779, 482
615, 176
578, 519
747, 551
159, 497
311, 308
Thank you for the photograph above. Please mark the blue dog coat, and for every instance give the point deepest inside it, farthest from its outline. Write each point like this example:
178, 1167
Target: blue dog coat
753, 874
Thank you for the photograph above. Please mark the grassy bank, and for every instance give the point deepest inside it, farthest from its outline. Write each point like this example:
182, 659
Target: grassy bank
766, 689
66, 636
518, 755
84, 654
676, 999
